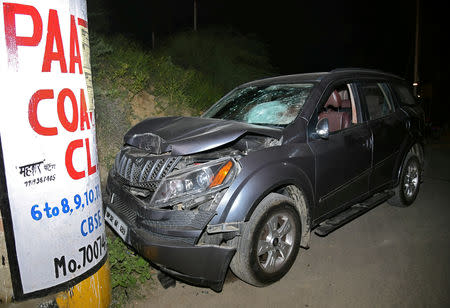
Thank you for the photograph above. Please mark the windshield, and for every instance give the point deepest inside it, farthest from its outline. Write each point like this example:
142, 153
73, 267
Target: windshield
264, 105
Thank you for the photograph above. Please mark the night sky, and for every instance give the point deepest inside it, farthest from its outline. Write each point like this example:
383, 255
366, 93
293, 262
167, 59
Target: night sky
308, 36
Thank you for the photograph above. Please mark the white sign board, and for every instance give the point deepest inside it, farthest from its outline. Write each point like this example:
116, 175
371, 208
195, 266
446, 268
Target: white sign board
48, 138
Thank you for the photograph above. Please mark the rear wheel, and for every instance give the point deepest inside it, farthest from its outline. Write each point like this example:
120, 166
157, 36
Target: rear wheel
270, 241
410, 178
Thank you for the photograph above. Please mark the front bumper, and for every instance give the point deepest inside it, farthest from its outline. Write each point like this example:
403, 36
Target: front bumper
169, 239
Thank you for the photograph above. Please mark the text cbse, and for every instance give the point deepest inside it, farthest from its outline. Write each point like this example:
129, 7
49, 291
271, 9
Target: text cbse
54, 52
91, 223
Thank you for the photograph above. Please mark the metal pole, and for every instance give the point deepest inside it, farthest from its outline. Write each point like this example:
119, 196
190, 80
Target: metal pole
416, 53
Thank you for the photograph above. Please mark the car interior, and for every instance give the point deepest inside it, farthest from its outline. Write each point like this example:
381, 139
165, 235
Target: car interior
339, 109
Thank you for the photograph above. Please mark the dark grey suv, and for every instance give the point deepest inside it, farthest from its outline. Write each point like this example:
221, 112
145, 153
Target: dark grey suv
244, 185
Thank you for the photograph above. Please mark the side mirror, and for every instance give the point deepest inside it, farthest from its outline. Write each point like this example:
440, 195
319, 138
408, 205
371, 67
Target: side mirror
322, 128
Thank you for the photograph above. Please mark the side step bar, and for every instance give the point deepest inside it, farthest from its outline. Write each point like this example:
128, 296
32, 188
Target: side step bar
351, 213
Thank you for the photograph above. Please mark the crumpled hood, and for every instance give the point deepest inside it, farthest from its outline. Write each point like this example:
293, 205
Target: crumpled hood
188, 135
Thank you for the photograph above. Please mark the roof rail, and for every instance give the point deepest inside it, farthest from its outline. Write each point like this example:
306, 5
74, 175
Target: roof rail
344, 69
362, 70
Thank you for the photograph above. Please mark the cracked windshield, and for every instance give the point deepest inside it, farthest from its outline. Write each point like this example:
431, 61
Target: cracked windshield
276, 105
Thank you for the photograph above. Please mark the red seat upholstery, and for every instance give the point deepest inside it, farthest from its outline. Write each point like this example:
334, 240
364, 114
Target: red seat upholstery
345, 103
337, 119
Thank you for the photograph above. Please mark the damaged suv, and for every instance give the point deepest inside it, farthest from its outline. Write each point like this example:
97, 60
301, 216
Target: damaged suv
244, 185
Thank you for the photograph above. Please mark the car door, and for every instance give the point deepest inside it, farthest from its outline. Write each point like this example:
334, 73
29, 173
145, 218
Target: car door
343, 160
388, 129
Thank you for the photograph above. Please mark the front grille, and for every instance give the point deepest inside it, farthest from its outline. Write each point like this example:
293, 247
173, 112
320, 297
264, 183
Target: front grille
141, 169
191, 219
178, 221
124, 210
167, 238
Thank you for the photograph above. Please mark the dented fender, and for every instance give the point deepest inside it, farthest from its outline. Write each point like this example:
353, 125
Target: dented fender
259, 178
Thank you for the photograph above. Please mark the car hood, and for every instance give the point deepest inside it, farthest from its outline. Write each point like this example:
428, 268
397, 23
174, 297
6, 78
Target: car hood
189, 135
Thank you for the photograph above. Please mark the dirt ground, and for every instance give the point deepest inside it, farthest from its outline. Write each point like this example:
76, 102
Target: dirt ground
389, 257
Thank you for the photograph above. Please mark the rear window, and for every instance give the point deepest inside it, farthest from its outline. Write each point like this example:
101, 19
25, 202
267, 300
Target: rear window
404, 95
378, 100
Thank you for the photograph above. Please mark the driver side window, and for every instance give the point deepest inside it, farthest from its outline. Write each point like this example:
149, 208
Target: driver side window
339, 109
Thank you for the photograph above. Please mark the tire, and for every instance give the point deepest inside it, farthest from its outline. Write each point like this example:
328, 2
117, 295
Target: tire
274, 229
410, 179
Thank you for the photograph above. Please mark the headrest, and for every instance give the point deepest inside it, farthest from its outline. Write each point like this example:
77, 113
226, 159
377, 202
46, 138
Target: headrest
344, 94
346, 103
334, 100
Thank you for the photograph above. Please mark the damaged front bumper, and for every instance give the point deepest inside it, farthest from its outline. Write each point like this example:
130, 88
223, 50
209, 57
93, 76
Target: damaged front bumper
168, 238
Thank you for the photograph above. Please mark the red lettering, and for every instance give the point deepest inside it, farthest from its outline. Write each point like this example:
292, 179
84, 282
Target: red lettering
32, 113
75, 56
91, 169
74, 174
70, 126
82, 22
53, 35
10, 10
84, 118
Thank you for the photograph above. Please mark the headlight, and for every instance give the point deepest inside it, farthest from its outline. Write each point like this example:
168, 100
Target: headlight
194, 180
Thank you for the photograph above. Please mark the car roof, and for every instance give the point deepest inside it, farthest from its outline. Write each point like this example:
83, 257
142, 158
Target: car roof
317, 77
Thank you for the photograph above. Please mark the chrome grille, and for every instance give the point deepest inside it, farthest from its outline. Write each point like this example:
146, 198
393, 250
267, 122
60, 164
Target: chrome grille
139, 168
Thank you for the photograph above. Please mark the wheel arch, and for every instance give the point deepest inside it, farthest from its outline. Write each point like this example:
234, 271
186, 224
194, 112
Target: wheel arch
416, 148
301, 205
288, 180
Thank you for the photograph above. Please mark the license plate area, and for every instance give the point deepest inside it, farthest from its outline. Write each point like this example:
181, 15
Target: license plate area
116, 223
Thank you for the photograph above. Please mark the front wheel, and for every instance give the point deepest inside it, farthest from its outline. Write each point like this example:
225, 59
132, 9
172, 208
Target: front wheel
410, 178
270, 242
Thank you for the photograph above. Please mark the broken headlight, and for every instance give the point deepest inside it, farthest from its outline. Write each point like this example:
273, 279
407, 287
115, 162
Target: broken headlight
201, 178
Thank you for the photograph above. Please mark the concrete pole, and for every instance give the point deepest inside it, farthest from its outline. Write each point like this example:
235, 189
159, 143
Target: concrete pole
50, 240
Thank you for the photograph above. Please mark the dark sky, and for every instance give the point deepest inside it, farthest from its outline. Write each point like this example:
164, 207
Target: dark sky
313, 36
307, 36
